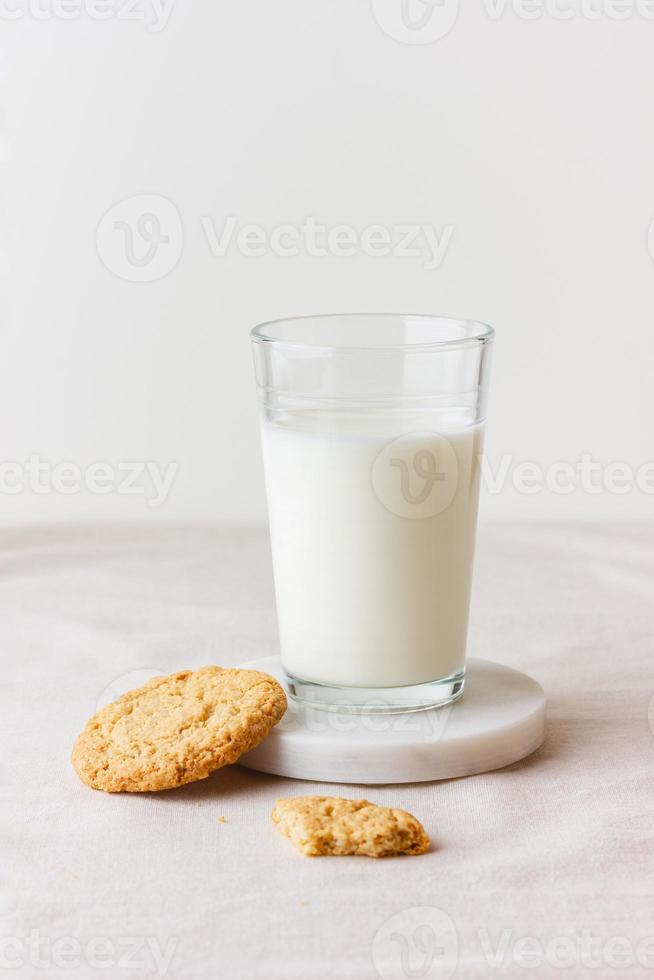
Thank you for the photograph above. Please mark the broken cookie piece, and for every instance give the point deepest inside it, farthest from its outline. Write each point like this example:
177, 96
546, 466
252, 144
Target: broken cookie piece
319, 825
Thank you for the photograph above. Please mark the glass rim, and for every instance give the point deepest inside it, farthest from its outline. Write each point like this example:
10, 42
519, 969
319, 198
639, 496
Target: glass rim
477, 333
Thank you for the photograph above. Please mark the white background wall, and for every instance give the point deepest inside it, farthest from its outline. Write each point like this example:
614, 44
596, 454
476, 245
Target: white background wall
531, 138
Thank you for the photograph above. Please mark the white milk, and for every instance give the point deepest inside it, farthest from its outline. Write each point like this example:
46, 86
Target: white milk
372, 544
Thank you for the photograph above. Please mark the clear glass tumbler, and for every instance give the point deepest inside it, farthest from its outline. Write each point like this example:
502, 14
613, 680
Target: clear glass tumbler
372, 427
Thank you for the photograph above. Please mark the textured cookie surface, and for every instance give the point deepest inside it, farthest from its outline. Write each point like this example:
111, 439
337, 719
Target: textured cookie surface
177, 729
332, 825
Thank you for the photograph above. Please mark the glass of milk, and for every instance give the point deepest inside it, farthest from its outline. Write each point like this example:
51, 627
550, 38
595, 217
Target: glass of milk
372, 428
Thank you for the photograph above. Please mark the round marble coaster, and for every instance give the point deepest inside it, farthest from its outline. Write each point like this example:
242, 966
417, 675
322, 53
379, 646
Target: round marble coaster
499, 720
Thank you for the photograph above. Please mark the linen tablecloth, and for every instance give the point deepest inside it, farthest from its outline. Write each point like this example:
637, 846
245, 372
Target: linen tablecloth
543, 868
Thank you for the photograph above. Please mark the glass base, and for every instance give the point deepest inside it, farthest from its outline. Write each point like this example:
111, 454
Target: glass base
376, 700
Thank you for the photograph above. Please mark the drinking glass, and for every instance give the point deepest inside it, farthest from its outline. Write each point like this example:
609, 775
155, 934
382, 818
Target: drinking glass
372, 428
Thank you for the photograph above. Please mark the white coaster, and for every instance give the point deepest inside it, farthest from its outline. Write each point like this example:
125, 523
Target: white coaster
499, 720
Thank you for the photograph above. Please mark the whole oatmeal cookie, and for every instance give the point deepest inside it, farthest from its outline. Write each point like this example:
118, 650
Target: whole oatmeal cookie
332, 825
177, 729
